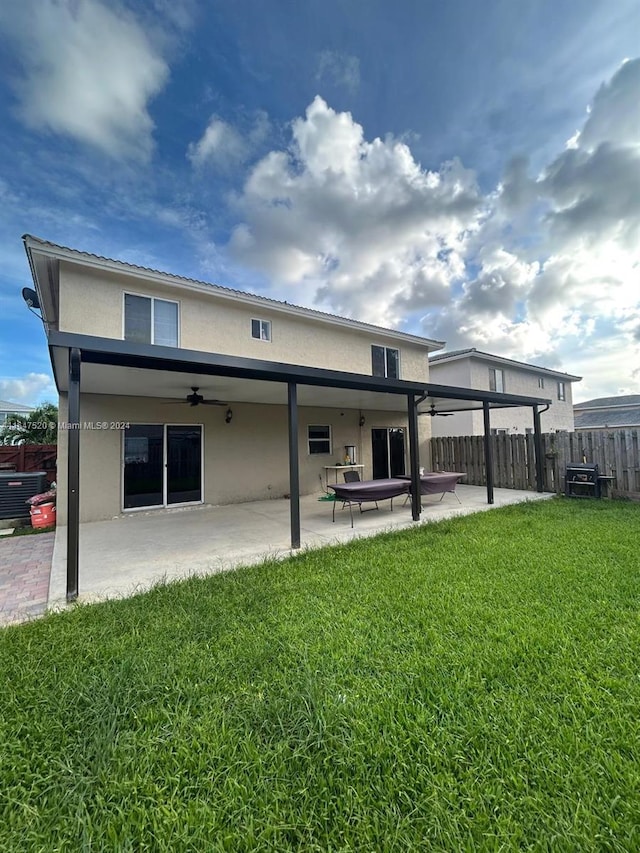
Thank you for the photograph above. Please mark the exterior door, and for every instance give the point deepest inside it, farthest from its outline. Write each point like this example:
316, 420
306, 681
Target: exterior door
387, 452
143, 466
162, 465
184, 464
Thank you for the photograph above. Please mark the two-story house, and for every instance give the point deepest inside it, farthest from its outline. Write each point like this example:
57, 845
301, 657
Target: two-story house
471, 368
175, 392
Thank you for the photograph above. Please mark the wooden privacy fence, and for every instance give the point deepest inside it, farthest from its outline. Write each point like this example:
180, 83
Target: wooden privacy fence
616, 452
30, 457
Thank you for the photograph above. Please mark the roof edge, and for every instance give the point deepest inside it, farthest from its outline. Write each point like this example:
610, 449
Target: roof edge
472, 352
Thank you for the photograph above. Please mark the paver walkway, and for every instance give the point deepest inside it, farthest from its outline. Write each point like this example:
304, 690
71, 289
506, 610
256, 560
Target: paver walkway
25, 567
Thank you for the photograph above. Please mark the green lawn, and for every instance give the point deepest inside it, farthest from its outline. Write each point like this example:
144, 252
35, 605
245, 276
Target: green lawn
467, 685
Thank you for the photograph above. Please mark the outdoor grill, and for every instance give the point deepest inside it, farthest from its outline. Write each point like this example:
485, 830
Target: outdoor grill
582, 480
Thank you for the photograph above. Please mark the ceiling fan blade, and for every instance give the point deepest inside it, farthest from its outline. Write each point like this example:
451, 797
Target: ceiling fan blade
213, 403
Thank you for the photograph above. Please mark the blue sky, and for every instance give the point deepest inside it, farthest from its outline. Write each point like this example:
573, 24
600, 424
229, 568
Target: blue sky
467, 171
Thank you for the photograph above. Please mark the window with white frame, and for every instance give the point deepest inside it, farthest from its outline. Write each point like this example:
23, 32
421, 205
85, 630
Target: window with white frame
261, 330
319, 438
540, 381
562, 391
148, 320
385, 361
499, 432
496, 379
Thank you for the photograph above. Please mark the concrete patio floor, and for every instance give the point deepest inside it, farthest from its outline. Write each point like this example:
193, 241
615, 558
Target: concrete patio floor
131, 553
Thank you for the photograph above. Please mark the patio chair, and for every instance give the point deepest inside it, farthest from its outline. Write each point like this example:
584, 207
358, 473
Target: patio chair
354, 477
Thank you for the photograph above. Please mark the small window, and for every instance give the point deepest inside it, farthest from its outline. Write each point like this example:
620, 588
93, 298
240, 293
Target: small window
496, 380
148, 320
319, 439
385, 361
540, 381
562, 391
261, 330
528, 430
499, 432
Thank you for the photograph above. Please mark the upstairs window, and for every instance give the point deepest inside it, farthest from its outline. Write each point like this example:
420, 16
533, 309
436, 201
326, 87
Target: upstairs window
148, 320
319, 438
261, 330
540, 381
562, 391
385, 362
496, 380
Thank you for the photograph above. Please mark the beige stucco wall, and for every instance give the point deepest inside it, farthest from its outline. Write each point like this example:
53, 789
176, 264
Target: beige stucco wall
474, 373
247, 459
458, 374
91, 302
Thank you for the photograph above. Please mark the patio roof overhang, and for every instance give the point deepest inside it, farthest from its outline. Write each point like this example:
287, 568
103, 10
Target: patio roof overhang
144, 370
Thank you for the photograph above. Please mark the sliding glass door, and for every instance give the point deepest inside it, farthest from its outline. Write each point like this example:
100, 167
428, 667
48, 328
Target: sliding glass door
162, 465
387, 452
143, 466
184, 464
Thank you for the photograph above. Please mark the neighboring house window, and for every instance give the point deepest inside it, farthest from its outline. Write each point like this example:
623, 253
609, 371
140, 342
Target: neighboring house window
261, 330
562, 391
496, 379
148, 320
385, 362
499, 432
540, 381
528, 430
319, 439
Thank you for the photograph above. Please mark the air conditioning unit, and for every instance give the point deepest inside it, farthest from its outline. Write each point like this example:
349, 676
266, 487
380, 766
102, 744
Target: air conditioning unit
15, 490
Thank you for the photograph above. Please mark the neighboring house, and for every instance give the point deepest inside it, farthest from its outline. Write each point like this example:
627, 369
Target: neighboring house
608, 413
471, 368
7, 410
175, 392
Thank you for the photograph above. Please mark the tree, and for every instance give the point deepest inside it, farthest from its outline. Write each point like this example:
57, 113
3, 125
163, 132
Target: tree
38, 427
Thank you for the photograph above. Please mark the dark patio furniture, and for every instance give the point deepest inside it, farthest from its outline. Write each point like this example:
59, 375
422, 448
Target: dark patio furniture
354, 477
438, 483
369, 491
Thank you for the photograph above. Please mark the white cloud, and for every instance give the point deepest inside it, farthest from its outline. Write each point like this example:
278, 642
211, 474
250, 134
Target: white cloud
220, 145
223, 146
359, 222
614, 116
27, 389
88, 70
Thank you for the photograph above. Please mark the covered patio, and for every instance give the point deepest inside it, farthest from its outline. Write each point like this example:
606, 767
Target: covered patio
126, 555
98, 366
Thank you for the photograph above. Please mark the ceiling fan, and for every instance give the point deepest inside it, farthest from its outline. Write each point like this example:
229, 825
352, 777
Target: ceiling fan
433, 413
196, 399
